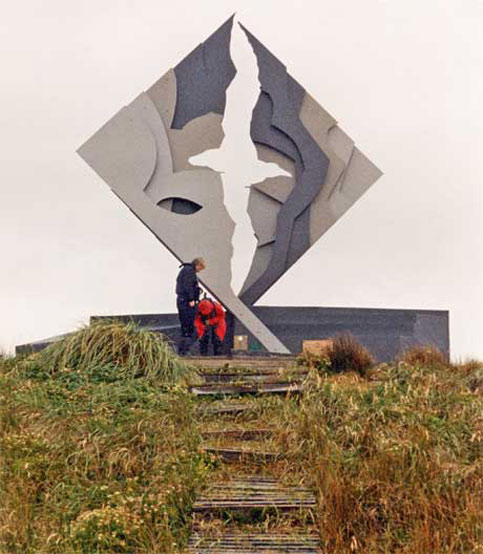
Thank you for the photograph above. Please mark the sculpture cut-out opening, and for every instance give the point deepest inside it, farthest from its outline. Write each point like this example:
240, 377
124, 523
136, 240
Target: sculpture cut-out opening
181, 206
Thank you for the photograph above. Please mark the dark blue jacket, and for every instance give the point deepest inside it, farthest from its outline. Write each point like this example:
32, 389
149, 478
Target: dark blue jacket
187, 287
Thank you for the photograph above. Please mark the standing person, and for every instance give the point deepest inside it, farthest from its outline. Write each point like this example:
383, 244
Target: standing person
188, 294
210, 325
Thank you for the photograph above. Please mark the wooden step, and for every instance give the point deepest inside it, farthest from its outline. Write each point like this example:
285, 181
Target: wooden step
251, 493
237, 543
231, 454
268, 362
239, 434
227, 407
255, 388
259, 377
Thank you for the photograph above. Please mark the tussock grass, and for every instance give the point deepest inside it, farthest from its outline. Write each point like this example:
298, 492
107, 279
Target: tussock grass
426, 355
471, 371
95, 464
134, 352
7, 362
345, 353
395, 458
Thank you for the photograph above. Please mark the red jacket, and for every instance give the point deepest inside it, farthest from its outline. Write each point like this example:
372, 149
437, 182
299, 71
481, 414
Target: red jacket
210, 313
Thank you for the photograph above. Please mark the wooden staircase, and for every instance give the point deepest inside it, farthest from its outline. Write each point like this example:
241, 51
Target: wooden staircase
237, 386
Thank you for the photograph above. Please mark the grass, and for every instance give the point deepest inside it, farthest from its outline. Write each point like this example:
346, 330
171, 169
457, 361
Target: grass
93, 459
134, 352
425, 355
102, 466
105, 455
345, 353
395, 458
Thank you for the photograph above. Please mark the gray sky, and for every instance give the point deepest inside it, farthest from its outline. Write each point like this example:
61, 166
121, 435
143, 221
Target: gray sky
402, 77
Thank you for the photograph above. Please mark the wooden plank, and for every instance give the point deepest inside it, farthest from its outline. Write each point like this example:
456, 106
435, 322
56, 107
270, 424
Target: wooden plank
241, 361
260, 388
253, 543
240, 505
232, 454
254, 493
240, 434
222, 408
263, 377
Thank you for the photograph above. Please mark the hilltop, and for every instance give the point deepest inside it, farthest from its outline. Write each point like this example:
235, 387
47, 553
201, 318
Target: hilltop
112, 456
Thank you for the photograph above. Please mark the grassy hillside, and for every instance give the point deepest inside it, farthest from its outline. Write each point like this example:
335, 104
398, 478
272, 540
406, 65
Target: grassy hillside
395, 457
95, 458
92, 459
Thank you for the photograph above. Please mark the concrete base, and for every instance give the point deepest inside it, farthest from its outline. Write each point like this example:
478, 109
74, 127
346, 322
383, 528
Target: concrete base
385, 332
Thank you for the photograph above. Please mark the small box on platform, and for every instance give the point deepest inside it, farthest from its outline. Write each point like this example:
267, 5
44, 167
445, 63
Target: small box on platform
317, 347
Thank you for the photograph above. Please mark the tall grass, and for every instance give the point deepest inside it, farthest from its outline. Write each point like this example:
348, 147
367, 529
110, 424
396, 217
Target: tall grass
395, 460
134, 352
425, 355
345, 353
95, 463
471, 372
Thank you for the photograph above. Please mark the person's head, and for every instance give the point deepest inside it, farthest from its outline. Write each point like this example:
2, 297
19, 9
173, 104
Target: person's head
205, 307
199, 264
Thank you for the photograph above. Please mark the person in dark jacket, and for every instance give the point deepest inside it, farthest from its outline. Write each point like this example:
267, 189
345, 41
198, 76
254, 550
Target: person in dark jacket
187, 295
210, 325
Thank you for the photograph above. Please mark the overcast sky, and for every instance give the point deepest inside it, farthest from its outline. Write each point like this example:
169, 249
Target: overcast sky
402, 77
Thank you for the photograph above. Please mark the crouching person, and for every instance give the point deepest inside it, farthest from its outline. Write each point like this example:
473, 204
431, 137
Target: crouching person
210, 325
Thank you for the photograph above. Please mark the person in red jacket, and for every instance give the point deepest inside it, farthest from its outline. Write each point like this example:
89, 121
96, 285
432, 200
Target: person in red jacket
210, 324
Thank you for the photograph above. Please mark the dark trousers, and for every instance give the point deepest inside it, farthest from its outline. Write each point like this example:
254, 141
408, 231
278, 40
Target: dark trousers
187, 320
210, 336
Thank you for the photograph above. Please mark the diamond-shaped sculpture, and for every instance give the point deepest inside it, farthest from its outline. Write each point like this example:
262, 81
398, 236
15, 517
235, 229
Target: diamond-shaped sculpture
143, 154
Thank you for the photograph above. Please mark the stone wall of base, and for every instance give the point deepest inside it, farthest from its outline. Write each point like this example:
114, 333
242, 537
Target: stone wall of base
385, 332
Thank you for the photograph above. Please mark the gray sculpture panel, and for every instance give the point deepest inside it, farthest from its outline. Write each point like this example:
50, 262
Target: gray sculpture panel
349, 176
276, 124
163, 95
330, 174
199, 134
281, 186
264, 210
203, 77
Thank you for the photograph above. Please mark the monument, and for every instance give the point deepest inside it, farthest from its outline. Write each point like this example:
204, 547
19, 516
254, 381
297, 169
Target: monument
143, 153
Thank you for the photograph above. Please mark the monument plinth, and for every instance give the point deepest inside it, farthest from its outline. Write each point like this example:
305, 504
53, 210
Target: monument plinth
386, 332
